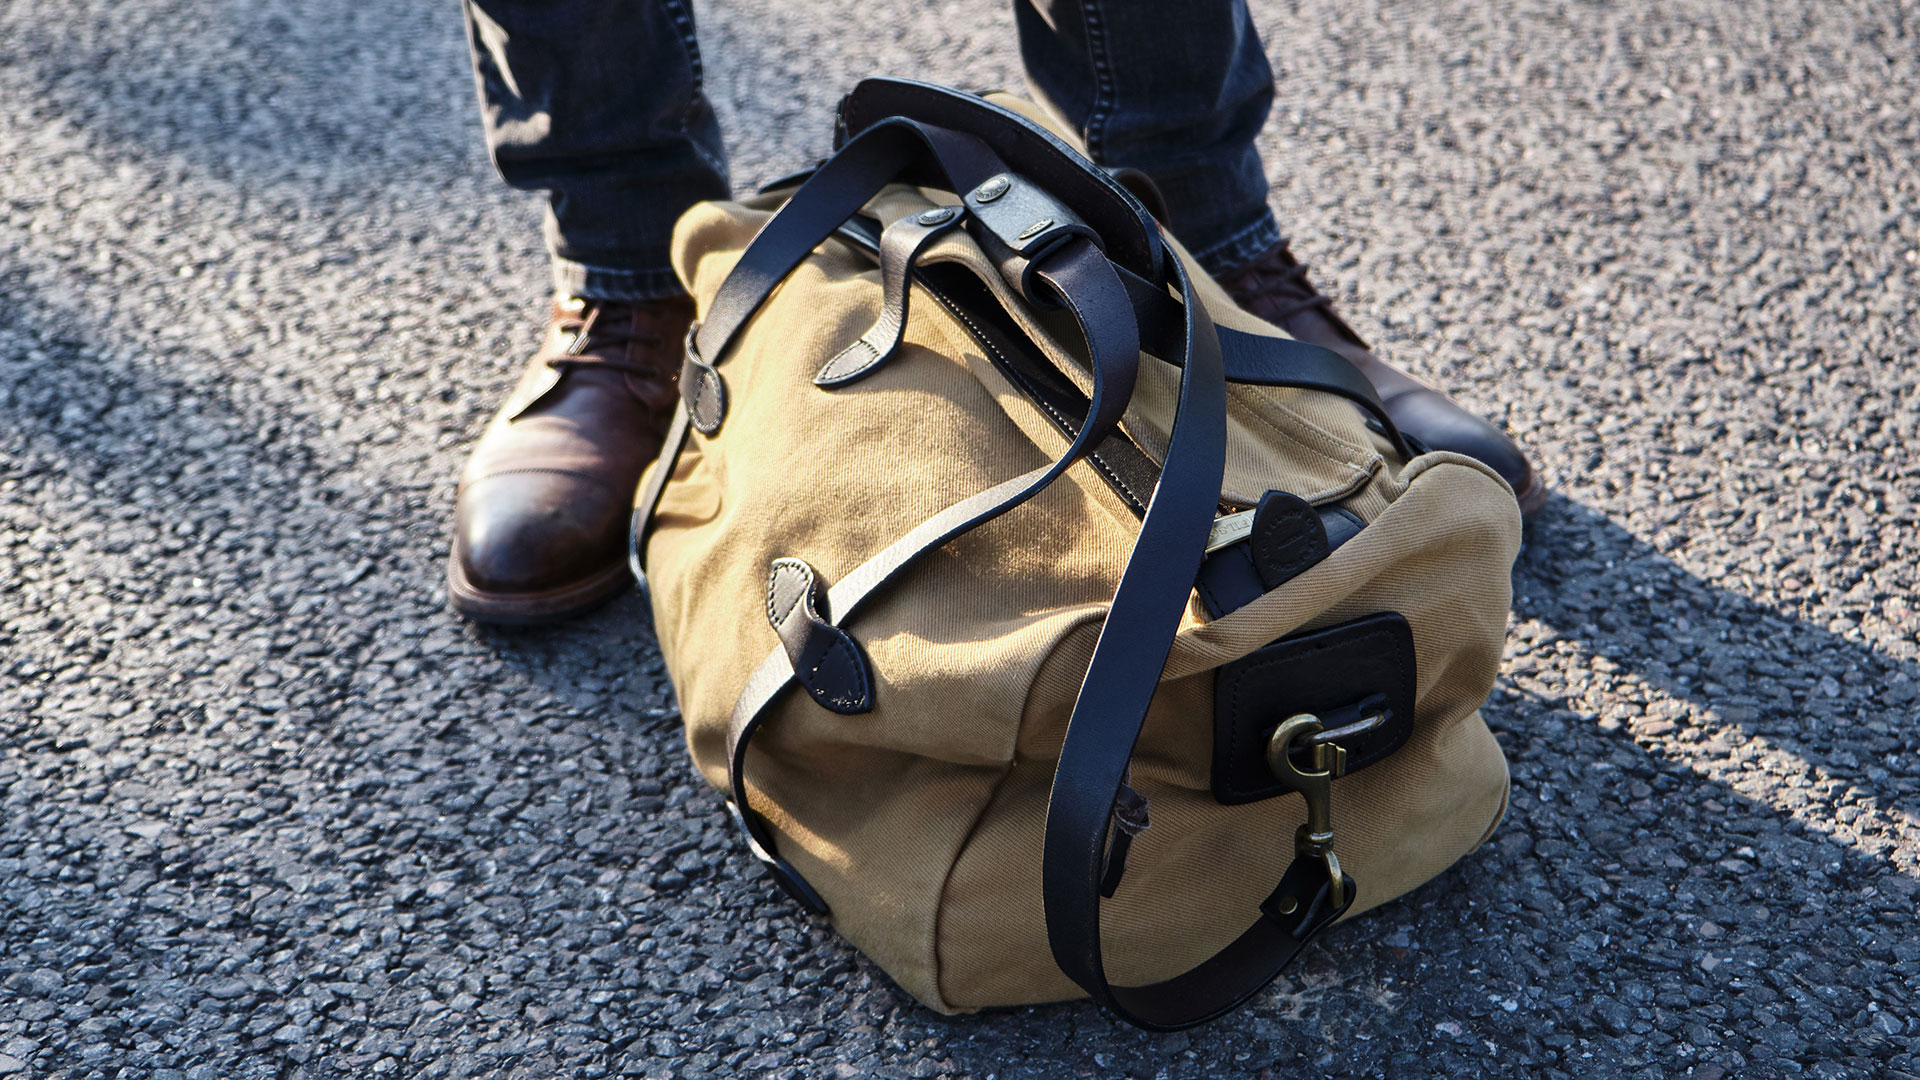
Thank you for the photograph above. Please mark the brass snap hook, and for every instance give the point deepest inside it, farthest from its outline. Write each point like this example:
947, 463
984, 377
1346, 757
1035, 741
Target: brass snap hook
1313, 840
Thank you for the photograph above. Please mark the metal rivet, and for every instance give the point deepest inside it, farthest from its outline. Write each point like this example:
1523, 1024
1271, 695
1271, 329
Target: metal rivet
1035, 229
1287, 905
992, 189
936, 215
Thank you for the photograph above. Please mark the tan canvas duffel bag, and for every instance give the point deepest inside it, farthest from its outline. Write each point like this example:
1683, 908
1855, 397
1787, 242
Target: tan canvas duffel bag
1053, 624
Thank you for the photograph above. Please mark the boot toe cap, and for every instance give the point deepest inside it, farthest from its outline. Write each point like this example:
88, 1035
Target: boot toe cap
1441, 424
524, 534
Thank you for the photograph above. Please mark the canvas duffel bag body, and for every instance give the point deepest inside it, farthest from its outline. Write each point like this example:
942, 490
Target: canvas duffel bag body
1053, 624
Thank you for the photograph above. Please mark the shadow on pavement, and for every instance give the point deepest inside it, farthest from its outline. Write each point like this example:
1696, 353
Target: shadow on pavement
1724, 675
323, 91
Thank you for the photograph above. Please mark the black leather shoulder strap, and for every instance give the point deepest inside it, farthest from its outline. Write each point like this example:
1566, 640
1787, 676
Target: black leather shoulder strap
1112, 706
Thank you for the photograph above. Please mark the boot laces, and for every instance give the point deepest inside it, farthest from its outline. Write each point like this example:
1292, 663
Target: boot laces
1282, 280
590, 333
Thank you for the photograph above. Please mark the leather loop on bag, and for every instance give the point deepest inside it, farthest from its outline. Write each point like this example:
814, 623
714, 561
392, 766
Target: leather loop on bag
1132, 238
1018, 224
825, 658
703, 392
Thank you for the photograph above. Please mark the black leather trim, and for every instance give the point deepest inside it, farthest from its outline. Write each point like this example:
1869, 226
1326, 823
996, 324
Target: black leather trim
1339, 674
825, 659
1235, 576
1142, 188
1019, 223
1287, 538
1228, 581
1341, 525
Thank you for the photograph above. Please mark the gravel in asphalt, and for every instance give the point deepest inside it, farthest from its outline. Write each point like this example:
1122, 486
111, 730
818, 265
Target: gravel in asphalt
268, 810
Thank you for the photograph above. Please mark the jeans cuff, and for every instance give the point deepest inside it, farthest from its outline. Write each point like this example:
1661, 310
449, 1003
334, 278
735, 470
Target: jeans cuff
606, 283
1241, 248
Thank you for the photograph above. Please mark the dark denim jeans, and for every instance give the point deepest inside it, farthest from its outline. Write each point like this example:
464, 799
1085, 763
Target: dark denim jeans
599, 103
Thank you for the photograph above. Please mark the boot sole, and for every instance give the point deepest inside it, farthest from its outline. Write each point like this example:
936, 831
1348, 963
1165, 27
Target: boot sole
1532, 499
537, 608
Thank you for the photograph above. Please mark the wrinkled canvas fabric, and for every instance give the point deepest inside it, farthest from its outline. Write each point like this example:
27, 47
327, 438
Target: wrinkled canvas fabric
920, 822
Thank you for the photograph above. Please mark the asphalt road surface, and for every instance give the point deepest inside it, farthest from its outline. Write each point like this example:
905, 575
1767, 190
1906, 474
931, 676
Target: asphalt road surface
271, 811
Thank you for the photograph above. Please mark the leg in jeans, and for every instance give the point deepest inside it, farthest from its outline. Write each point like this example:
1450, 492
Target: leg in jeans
1178, 91
599, 103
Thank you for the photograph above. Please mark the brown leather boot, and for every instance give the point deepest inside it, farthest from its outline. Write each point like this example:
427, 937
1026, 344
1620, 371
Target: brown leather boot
540, 522
1275, 287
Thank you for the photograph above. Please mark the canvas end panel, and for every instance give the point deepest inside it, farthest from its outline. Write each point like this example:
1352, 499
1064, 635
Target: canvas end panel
874, 832
1196, 875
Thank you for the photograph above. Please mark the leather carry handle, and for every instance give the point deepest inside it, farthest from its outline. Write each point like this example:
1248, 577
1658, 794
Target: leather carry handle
1130, 235
835, 192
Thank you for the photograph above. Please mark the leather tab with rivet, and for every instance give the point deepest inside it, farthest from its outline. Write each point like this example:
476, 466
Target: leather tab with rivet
1288, 537
826, 660
1026, 224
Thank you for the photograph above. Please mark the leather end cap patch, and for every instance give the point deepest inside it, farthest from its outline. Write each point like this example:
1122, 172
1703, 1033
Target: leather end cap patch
826, 660
1287, 538
1340, 674
705, 394
855, 362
